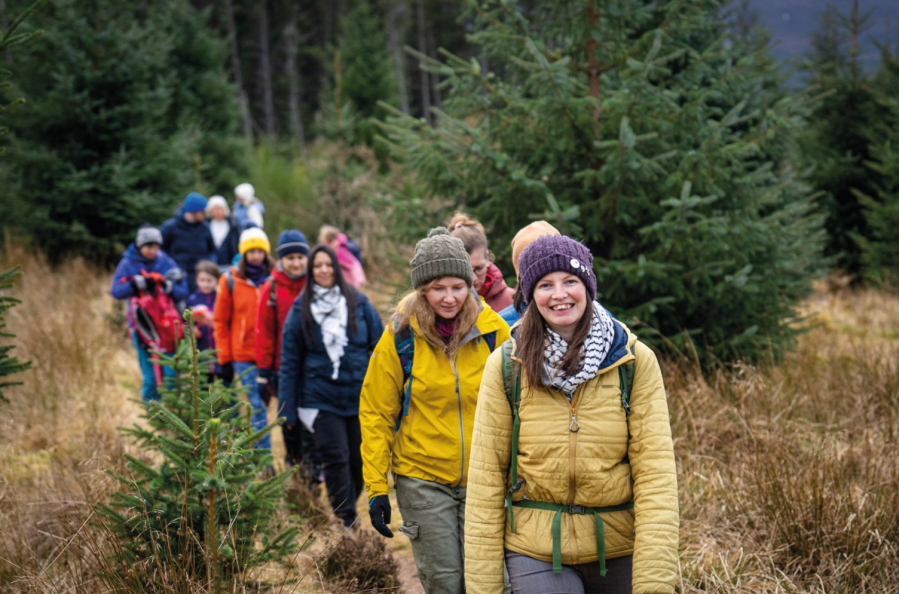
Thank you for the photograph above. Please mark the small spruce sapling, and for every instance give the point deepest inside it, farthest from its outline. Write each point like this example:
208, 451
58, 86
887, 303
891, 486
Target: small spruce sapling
201, 510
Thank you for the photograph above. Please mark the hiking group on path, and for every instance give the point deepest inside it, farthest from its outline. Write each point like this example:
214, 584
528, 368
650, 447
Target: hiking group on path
526, 431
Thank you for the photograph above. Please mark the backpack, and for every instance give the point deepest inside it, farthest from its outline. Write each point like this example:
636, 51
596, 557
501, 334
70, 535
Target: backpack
404, 341
512, 386
156, 320
272, 298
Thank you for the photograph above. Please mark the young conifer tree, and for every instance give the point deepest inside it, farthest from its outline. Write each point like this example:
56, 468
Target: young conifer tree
9, 365
880, 250
203, 511
645, 131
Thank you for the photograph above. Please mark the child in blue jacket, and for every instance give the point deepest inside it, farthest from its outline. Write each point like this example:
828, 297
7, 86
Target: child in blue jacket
145, 255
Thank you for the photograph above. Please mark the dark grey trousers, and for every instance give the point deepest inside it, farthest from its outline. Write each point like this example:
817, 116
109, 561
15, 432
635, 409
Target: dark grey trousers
530, 576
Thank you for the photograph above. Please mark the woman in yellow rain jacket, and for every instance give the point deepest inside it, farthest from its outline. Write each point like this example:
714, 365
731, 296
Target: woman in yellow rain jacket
418, 403
572, 479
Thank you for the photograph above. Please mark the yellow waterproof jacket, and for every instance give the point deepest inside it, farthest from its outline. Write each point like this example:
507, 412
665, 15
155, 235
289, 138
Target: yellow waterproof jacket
433, 441
591, 463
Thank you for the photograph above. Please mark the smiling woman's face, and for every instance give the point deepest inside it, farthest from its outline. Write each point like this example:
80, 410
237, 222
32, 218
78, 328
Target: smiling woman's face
561, 298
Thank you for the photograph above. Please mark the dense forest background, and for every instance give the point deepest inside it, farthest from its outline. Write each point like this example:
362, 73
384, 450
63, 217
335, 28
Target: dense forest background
712, 183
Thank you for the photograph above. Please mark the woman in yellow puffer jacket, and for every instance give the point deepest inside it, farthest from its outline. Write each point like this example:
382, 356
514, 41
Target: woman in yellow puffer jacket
417, 408
575, 486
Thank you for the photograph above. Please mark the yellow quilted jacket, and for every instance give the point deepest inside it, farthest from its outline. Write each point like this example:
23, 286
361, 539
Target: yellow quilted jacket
433, 442
596, 466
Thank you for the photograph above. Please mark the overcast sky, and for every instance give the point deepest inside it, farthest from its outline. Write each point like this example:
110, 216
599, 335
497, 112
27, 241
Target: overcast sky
793, 21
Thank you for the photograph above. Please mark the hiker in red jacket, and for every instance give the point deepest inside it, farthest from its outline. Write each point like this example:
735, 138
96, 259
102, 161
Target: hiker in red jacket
275, 300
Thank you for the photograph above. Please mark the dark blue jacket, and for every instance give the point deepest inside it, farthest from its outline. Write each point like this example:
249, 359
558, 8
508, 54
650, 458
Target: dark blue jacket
132, 263
187, 243
305, 374
225, 253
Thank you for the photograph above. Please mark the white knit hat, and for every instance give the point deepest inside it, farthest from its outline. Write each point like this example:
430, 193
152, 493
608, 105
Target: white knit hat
245, 192
217, 201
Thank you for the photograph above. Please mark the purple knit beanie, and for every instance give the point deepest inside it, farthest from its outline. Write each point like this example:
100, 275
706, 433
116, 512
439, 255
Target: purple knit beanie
555, 253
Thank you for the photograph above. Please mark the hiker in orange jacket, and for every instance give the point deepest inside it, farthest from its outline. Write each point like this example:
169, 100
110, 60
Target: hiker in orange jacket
235, 318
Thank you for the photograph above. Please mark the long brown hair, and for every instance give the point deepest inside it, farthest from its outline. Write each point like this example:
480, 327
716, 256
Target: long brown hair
531, 342
415, 305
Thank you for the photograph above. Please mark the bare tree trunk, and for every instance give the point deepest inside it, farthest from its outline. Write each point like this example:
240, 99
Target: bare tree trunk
423, 48
293, 79
432, 51
246, 127
394, 44
265, 70
854, 24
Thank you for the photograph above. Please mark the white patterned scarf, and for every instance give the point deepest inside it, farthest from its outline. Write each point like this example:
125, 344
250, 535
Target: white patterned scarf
596, 349
330, 312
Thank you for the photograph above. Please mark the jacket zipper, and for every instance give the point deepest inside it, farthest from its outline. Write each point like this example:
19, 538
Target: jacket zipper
573, 429
461, 426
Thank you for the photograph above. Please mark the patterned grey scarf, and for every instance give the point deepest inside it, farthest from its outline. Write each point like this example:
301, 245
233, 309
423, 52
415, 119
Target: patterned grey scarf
596, 349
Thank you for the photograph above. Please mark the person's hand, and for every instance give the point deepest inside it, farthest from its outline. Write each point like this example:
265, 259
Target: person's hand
379, 512
262, 391
228, 373
139, 283
264, 385
168, 287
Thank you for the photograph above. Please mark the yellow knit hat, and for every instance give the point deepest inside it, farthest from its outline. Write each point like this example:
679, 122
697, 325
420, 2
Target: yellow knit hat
252, 239
527, 235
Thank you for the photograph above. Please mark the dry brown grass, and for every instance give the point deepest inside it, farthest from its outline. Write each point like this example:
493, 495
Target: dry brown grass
788, 474
59, 433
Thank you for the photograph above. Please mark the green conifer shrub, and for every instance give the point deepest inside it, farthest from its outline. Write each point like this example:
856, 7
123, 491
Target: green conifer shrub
197, 505
9, 365
643, 130
129, 110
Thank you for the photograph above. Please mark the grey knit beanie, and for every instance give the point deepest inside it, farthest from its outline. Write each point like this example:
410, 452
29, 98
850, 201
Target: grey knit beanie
438, 255
147, 234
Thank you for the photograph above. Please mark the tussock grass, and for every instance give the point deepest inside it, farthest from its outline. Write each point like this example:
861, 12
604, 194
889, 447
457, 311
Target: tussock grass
788, 474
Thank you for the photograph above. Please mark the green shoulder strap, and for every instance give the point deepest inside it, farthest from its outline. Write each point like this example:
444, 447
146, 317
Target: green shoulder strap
626, 383
229, 280
512, 386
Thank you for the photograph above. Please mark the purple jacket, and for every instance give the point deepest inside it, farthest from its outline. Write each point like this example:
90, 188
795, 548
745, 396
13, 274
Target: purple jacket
206, 339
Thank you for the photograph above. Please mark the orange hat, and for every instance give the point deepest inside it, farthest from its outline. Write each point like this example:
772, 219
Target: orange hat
527, 235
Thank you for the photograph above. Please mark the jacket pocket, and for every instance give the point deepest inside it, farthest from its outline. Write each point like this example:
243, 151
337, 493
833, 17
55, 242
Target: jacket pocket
410, 530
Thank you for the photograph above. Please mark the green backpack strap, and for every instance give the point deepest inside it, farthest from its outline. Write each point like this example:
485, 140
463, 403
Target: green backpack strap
512, 386
626, 383
229, 282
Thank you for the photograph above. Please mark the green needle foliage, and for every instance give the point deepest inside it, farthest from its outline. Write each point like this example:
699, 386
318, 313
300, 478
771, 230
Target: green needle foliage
203, 510
9, 365
880, 250
643, 130
129, 110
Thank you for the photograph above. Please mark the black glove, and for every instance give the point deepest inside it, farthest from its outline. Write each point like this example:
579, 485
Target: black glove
227, 373
138, 283
262, 389
379, 511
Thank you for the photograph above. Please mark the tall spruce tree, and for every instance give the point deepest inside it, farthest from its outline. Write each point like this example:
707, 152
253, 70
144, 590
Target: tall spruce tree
129, 110
366, 77
880, 250
836, 143
641, 129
